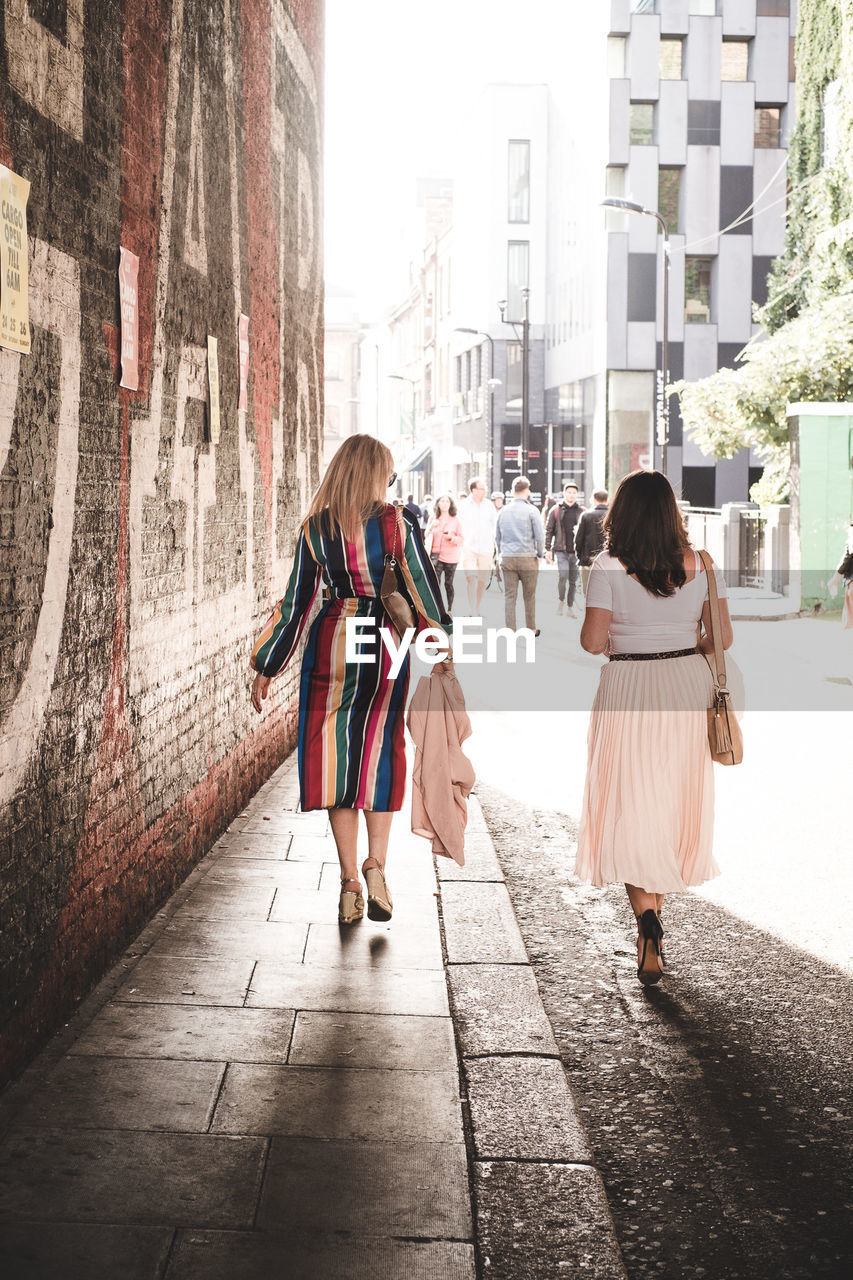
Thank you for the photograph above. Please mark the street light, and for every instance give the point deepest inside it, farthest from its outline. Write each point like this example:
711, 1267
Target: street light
661, 397
525, 368
413, 382
492, 382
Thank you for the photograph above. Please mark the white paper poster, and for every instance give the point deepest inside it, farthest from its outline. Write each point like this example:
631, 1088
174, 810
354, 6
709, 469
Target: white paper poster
14, 270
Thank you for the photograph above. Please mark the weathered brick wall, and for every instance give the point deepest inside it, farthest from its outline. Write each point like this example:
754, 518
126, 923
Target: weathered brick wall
137, 558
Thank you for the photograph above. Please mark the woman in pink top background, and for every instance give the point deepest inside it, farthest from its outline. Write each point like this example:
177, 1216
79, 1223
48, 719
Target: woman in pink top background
444, 540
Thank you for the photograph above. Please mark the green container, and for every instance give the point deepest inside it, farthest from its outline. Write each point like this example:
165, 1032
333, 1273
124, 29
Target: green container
821, 494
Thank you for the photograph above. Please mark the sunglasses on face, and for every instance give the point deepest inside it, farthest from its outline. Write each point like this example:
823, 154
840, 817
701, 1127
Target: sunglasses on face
392, 479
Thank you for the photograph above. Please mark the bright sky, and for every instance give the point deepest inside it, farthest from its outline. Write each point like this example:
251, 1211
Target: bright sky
400, 78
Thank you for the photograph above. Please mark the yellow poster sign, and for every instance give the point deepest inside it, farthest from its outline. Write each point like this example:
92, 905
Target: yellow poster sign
213, 387
14, 274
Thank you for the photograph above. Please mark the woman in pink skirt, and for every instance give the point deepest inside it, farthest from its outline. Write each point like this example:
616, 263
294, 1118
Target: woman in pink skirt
648, 809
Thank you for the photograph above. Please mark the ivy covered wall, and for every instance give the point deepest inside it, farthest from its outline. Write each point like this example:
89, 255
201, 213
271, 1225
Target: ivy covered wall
818, 259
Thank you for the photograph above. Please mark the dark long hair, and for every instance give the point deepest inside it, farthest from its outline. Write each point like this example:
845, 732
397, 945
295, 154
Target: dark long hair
451, 510
644, 529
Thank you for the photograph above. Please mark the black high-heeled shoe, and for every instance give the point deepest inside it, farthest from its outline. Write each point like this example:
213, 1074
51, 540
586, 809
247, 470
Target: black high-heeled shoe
650, 969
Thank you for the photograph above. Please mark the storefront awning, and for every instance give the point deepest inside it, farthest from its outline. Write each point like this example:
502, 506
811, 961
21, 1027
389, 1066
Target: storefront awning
417, 460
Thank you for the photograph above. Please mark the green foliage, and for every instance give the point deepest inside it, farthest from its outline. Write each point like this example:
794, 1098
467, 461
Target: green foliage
808, 354
818, 256
809, 358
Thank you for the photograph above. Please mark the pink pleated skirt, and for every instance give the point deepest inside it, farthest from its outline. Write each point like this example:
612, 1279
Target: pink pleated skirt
648, 807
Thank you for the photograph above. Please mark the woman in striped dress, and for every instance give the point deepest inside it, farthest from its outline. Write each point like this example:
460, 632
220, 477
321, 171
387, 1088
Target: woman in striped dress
351, 737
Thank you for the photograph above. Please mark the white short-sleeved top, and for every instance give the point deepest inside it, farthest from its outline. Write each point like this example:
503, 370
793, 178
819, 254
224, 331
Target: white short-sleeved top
643, 623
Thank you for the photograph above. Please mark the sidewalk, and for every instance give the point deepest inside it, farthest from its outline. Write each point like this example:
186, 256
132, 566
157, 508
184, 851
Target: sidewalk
254, 1090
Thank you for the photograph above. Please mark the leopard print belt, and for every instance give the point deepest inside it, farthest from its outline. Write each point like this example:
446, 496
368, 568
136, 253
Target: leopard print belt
651, 657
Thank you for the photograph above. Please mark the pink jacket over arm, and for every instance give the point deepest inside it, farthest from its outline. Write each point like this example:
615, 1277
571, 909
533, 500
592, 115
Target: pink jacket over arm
443, 775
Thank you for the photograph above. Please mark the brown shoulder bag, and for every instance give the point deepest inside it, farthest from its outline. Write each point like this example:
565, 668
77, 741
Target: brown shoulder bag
394, 603
724, 734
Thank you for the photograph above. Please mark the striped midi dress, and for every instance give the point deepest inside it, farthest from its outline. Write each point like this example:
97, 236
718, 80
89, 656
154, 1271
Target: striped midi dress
351, 745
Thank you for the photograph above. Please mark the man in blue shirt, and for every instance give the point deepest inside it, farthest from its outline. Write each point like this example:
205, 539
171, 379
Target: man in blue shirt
520, 540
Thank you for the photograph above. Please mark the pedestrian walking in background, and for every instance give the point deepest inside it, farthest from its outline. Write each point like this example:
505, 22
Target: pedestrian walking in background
548, 507
648, 807
478, 518
589, 538
520, 541
351, 742
498, 500
560, 544
413, 507
426, 511
444, 540
844, 573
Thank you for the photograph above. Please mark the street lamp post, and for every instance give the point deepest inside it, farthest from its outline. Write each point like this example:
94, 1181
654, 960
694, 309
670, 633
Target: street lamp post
525, 370
401, 377
492, 383
661, 375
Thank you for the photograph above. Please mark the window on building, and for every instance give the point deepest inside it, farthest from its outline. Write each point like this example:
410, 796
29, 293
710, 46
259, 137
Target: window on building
773, 8
518, 192
829, 109
641, 124
703, 123
697, 290
513, 377
702, 8
616, 57
670, 59
331, 364
332, 420
642, 6
734, 60
428, 389
517, 275
768, 126
457, 386
669, 197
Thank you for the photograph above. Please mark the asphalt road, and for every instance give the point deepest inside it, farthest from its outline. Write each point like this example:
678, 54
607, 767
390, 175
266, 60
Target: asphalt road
718, 1105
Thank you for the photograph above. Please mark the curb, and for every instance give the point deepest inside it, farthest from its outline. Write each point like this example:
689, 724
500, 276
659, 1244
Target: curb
538, 1201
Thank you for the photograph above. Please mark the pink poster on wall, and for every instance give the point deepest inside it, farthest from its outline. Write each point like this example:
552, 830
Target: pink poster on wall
128, 273
243, 344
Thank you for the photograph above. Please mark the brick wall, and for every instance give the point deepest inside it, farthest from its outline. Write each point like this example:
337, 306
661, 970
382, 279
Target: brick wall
137, 558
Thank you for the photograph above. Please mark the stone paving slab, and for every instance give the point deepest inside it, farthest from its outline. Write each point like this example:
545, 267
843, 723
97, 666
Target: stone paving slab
481, 862
412, 991
325, 1102
141, 1179
405, 875
71, 1250
497, 1010
131, 1093
188, 980
183, 1032
370, 1040
216, 901
480, 925
245, 872
237, 845
543, 1220
200, 1255
314, 1189
373, 946
523, 1109
227, 939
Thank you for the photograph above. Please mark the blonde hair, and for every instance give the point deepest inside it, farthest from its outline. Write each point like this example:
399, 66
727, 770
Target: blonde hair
353, 488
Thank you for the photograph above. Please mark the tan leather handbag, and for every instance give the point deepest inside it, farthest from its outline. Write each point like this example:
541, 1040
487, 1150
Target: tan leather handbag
395, 604
724, 735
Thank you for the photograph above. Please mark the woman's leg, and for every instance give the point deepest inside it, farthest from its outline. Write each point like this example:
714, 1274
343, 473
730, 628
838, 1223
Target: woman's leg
641, 900
449, 589
345, 830
378, 833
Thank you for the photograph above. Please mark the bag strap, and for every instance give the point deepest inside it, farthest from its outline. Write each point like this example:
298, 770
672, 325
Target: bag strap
716, 626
